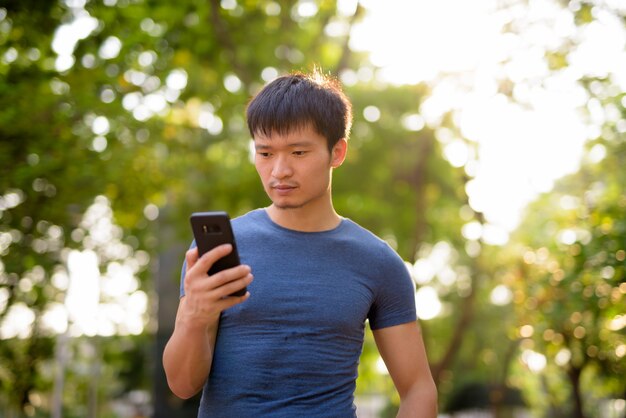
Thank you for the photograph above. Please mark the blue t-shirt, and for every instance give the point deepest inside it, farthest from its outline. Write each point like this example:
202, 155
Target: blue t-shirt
293, 348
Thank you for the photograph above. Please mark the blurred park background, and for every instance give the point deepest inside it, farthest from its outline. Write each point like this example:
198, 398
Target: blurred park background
488, 148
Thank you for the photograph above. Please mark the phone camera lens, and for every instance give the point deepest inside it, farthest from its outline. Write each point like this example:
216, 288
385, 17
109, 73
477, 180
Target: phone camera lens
211, 229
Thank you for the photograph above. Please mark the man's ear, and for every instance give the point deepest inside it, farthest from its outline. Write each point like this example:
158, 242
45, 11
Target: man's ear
339, 152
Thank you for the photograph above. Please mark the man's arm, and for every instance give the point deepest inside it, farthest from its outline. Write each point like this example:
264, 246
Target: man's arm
188, 355
402, 349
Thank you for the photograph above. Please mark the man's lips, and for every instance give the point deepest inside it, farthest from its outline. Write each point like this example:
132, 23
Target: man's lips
283, 187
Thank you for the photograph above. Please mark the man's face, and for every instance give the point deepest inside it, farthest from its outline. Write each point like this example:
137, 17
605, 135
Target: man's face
295, 168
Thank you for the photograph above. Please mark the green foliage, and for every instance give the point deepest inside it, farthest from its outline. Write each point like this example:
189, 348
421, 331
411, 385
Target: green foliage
393, 176
572, 275
70, 135
160, 124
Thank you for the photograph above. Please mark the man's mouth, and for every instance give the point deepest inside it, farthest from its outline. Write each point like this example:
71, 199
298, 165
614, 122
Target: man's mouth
283, 187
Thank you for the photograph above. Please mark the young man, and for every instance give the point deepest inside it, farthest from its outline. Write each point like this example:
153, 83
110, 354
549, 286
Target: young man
290, 347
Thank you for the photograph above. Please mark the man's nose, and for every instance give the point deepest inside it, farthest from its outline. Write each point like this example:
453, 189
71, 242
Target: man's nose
281, 168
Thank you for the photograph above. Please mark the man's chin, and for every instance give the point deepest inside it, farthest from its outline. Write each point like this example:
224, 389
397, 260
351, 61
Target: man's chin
286, 206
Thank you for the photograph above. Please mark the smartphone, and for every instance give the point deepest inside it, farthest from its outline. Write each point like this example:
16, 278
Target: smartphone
211, 229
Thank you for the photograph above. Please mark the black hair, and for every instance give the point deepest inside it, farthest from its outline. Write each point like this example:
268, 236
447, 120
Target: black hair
298, 100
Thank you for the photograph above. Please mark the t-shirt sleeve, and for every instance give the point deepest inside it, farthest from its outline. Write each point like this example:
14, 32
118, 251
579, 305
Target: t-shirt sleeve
184, 270
394, 303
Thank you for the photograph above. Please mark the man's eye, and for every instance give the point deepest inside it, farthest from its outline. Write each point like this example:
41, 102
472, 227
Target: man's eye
264, 154
299, 153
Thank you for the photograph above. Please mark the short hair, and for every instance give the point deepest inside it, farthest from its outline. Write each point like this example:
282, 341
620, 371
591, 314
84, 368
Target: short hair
298, 100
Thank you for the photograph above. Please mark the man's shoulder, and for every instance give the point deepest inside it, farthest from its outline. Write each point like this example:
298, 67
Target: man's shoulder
358, 232
375, 256
367, 241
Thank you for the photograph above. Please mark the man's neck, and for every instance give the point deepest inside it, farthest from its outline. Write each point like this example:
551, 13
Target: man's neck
304, 220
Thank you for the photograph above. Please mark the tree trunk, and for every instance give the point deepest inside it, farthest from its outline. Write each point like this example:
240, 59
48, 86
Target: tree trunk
467, 311
574, 377
498, 401
222, 33
61, 356
346, 52
418, 182
94, 381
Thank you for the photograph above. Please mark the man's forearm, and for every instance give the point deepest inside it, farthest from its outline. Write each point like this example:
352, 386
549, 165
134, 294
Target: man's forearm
187, 359
420, 402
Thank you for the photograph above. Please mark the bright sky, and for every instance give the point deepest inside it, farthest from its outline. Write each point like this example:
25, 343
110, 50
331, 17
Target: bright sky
516, 149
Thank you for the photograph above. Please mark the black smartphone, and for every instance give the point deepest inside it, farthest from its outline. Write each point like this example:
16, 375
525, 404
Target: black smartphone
211, 229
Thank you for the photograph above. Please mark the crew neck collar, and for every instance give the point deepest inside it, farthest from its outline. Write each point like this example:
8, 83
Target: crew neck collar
266, 216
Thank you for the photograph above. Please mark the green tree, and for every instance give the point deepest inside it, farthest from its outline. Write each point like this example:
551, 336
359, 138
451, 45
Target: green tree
140, 105
136, 109
572, 276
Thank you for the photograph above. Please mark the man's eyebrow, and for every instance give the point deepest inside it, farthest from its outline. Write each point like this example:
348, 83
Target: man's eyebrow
300, 144
290, 145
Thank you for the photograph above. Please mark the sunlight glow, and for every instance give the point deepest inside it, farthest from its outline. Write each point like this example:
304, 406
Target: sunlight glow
381, 367
392, 32
208, 120
511, 141
414, 122
536, 362
501, 295
177, 79
515, 146
563, 357
84, 292
18, 322
590, 60
100, 125
435, 262
305, 9
67, 37
157, 98
110, 48
617, 323
95, 303
55, 318
4, 296
427, 303
269, 73
457, 153
232, 83
371, 114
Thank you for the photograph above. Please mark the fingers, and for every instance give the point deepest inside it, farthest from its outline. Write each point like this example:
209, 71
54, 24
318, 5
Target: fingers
199, 266
231, 284
204, 301
205, 262
221, 284
191, 257
231, 301
229, 275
